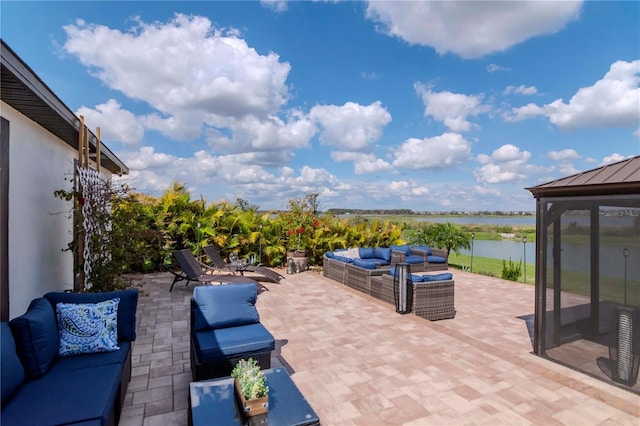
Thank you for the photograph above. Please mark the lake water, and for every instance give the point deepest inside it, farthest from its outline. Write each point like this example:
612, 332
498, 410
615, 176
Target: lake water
483, 220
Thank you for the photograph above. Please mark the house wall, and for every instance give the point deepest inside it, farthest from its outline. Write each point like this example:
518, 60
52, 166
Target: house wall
40, 226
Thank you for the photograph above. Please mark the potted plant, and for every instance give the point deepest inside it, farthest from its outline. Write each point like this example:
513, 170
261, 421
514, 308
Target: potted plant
299, 224
251, 387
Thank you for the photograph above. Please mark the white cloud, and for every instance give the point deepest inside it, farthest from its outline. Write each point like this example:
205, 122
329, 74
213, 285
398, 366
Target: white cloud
185, 66
611, 102
275, 5
506, 164
520, 90
491, 68
613, 158
565, 154
116, 124
444, 151
351, 127
451, 108
407, 190
471, 29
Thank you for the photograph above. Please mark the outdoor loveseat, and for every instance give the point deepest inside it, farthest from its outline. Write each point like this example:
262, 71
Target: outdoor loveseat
225, 327
42, 387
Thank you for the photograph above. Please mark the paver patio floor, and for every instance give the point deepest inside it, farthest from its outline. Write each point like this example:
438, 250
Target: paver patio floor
359, 363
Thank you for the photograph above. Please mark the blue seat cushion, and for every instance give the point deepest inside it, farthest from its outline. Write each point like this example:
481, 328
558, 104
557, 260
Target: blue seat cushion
92, 360
415, 278
365, 263
36, 336
413, 259
213, 345
365, 252
10, 365
405, 248
382, 253
424, 248
436, 259
445, 276
228, 305
126, 309
343, 259
65, 397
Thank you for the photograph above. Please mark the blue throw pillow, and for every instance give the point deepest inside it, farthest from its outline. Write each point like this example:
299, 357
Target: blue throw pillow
403, 248
366, 252
126, 309
87, 328
424, 248
364, 264
445, 276
228, 305
436, 259
382, 253
330, 255
343, 259
36, 336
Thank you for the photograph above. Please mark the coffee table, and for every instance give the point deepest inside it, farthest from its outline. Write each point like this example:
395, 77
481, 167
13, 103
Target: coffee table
214, 402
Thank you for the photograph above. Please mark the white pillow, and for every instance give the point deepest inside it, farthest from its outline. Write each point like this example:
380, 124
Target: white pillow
352, 253
88, 327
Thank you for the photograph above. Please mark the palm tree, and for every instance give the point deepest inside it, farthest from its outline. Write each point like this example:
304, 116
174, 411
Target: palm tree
447, 235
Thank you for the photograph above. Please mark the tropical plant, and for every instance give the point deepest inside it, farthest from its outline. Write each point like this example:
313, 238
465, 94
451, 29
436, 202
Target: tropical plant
442, 235
252, 381
511, 271
299, 222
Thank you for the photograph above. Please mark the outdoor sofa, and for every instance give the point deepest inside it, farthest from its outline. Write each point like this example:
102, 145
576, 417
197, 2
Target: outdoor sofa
225, 328
41, 387
421, 258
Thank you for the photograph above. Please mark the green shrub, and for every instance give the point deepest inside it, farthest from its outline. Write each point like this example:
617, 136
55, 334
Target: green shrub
511, 271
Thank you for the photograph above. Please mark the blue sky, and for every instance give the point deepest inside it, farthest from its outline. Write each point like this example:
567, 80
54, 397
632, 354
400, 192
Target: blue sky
421, 105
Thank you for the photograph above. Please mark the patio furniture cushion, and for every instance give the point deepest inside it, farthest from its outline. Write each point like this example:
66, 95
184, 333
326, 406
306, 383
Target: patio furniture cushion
424, 248
403, 248
126, 308
365, 263
445, 276
213, 345
88, 327
12, 370
228, 305
365, 252
92, 360
415, 278
414, 259
78, 396
351, 253
382, 253
334, 255
36, 336
436, 259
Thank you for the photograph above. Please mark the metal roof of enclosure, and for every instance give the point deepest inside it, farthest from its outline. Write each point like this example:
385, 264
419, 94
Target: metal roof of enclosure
622, 177
23, 90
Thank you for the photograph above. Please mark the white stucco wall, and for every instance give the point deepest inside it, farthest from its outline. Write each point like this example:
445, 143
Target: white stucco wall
40, 226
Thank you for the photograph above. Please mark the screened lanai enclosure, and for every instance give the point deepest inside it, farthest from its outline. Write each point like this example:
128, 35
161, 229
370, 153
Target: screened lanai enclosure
587, 308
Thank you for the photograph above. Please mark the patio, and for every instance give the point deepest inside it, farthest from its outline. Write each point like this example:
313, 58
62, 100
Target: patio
359, 363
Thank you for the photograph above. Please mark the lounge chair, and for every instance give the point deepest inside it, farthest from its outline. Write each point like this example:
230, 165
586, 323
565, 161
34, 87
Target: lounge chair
193, 270
218, 262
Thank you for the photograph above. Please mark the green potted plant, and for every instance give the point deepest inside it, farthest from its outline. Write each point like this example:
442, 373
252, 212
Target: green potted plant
251, 387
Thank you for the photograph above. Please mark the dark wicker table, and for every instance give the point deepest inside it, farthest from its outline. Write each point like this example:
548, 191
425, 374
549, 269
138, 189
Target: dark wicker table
214, 402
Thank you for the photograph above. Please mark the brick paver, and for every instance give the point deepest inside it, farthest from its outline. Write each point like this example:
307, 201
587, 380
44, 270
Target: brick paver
359, 363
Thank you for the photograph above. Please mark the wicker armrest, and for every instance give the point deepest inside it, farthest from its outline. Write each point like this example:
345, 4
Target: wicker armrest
397, 257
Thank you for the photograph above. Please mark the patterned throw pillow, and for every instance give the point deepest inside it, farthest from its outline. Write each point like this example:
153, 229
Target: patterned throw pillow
88, 328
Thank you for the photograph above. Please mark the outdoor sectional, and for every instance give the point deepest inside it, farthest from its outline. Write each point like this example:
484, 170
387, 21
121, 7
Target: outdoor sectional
421, 258
39, 387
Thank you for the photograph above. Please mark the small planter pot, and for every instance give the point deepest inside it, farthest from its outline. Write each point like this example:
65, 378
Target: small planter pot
252, 407
299, 257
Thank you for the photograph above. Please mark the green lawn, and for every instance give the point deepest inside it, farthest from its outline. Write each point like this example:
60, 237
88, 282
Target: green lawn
487, 266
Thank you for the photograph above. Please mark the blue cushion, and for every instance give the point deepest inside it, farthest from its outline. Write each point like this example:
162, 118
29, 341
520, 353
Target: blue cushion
212, 345
413, 259
36, 336
228, 305
364, 263
382, 253
65, 397
436, 259
403, 248
88, 327
10, 366
424, 248
415, 278
445, 276
126, 309
343, 259
91, 360
330, 254
365, 252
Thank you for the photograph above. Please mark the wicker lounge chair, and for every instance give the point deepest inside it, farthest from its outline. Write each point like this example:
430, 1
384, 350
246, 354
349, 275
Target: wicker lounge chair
432, 300
213, 253
426, 266
193, 270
